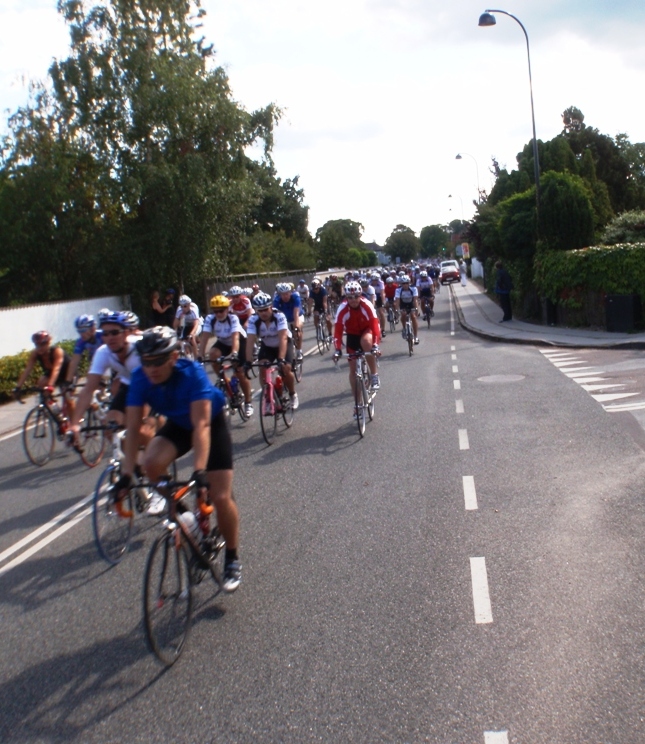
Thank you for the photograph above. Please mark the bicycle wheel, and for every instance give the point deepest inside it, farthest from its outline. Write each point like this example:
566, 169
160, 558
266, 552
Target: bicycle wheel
408, 333
92, 439
239, 405
369, 395
38, 437
359, 404
392, 322
167, 597
268, 418
287, 412
297, 369
112, 532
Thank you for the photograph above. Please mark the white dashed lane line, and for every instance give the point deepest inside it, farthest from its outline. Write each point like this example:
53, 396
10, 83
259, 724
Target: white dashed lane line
470, 495
481, 595
463, 439
495, 737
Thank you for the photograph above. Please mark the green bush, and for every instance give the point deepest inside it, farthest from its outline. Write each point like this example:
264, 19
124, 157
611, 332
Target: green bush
565, 277
12, 366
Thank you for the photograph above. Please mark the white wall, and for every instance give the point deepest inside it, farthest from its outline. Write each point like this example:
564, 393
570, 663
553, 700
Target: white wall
17, 324
476, 268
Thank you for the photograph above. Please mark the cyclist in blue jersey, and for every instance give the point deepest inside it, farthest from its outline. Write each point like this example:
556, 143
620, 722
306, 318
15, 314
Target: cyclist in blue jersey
289, 303
89, 340
194, 409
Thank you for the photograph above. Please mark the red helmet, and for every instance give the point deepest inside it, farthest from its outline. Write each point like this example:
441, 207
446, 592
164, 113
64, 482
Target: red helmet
41, 337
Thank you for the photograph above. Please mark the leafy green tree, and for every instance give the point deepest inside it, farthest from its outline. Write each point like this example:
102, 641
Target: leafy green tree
433, 239
403, 243
334, 240
566, 212
628, 227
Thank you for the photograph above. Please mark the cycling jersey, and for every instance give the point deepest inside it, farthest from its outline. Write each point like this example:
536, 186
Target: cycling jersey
90, 345
241, 306
268, 332
318, 297
406, 295
378, 286
187, 383
46, 364
288, 308
355, 321
303, 291
390, 290
224, 329
192, 316
104, 359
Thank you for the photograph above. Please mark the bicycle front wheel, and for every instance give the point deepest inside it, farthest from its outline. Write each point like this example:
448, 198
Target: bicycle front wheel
410, 340
38, 436
167, 597
287, 412
320, 338
92, 439
359, 405
297, 369
268, 418
112, 532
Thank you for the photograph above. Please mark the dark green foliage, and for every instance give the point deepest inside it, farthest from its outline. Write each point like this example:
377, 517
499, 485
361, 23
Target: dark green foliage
433, 239
334, 241
566, 213
628, 227
403, 244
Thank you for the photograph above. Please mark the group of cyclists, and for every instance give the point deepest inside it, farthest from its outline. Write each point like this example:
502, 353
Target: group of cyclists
166, 401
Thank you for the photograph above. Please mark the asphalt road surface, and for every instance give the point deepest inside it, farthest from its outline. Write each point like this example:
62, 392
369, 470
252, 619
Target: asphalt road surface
470, 572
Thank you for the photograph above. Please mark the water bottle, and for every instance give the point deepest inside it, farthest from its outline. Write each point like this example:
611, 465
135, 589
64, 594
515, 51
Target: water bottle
189, 520
278, 385
235, 385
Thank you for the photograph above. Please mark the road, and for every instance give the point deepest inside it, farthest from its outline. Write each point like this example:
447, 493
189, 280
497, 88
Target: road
469, 572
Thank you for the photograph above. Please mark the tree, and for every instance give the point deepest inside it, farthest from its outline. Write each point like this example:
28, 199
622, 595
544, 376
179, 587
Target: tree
628, 227
433, 239
566, 212
334, 240
403, 244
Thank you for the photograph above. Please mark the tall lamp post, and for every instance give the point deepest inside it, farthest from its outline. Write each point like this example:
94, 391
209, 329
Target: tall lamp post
486, 19
462, 205
458, 156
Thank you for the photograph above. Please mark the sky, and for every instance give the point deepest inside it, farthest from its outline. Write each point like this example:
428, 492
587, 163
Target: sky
379, 96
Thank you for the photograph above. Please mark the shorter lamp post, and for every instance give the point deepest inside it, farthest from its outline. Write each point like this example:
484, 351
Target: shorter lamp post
458, 156
462, 205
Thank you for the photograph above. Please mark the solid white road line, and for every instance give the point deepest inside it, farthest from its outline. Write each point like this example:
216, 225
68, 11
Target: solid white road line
44, 542
463, 439
481, 596
470, 496
45, 528
460, 406
495, 737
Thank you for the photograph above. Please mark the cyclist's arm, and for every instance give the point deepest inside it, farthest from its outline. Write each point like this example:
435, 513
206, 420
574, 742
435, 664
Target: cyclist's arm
27, 370
203, 342
200, 418
250, 344
73, 366
235, 342
283, 337
85, 398
57, 363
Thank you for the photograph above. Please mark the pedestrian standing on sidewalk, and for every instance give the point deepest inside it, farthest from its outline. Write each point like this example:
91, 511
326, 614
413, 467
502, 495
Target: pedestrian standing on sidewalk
503, 287
463, 272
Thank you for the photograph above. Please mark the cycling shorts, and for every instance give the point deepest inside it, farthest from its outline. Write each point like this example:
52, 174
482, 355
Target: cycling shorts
220, 456
353, 341
226, 348
270, 353
379, 301
119, 400
407, 307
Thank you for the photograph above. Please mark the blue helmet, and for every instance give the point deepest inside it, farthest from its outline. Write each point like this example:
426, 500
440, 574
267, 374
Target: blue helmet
123, 318
85, 323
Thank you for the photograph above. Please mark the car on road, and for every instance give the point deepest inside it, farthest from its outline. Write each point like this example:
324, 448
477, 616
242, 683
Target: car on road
449, 272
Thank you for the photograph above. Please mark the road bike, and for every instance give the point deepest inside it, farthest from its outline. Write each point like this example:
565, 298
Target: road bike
230, 386
296, 365
274, 402
392, 318
364, 394
113, 532
185, 553
426, 309
407, 332
49, 421
322, 338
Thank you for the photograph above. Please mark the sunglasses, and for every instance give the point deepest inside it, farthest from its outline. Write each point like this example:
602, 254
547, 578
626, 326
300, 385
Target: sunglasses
42, 343
264, 310
221, 310
155, 361
112, 333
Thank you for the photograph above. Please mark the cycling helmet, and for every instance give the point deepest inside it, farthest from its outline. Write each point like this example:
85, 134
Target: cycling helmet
103, 313
85, 323
389, 280
261, 301
41, 337
255, 288
219, 302
131, 320
353, 290
248, 291
405, 279
235, 291
315, 282
364, 282
118, 318
424, 274
282, 287
301, 281
375, 275
184, 300
157, 341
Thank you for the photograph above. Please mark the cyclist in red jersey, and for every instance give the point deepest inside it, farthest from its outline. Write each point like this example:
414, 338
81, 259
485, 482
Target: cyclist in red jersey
240, 305
357, 318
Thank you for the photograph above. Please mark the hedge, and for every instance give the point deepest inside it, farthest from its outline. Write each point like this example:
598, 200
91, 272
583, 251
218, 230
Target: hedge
565, 277
12, 366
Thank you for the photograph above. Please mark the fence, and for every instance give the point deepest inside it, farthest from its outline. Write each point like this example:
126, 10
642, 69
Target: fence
266, 282
18, 323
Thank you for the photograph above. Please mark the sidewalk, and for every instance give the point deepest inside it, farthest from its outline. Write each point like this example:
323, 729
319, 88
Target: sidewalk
480, 314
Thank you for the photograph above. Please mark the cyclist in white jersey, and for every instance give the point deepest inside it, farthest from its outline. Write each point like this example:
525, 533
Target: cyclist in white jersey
188, 322
406, 301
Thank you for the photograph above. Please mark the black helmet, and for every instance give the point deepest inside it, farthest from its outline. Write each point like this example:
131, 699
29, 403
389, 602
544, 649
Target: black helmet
157, 341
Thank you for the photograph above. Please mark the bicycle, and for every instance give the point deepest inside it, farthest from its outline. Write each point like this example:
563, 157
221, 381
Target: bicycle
180, 558
112, 532
48, 421
322, 339
297, 363
392, 318
363, 393
230, 387
407, 332
274, 402
427, 310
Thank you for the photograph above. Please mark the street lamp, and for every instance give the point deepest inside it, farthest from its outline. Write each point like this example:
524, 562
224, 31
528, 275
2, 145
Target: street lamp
458, 156
486, 19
